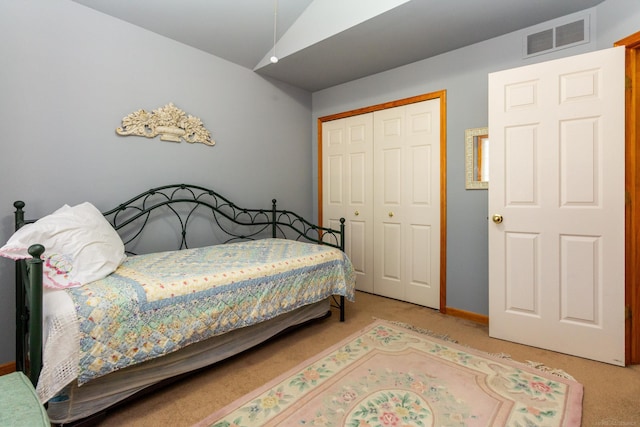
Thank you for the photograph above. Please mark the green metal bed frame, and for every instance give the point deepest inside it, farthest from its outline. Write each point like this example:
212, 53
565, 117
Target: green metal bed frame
130, 218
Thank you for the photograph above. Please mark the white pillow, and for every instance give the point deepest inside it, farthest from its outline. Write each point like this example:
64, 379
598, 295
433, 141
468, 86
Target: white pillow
80, 246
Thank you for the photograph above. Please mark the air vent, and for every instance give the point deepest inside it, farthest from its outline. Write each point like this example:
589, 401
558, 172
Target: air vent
559, 37
570, 33
539, 42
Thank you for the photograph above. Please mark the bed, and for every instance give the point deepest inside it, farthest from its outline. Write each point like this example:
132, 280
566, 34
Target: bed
110, 314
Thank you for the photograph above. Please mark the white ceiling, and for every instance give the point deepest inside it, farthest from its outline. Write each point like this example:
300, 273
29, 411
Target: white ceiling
242, 31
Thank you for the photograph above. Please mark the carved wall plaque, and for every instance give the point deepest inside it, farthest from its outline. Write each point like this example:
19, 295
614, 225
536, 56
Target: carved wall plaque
170, 122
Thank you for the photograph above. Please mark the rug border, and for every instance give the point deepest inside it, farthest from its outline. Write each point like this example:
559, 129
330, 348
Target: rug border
575, 390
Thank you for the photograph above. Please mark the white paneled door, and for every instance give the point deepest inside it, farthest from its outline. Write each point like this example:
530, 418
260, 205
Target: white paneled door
347, 147
556, 205
381, 173
406, 197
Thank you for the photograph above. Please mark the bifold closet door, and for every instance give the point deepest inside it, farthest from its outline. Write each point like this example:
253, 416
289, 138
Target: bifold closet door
406, 199
347, 146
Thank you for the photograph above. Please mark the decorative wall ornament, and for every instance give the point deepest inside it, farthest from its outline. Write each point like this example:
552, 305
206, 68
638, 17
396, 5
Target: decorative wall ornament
170, 122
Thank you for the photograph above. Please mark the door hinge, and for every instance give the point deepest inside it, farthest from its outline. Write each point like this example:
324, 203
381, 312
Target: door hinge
628, 83
627, 312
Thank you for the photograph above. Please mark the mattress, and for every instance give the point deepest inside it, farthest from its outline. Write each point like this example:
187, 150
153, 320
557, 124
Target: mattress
92, 346
158, 303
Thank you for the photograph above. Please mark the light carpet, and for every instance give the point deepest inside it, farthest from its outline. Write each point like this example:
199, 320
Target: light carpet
389, 374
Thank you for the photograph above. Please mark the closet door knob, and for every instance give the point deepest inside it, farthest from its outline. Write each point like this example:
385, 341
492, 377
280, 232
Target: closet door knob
390, 214
356, 213
497, 218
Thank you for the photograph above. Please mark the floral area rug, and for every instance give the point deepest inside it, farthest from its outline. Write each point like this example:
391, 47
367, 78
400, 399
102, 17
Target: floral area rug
391, 375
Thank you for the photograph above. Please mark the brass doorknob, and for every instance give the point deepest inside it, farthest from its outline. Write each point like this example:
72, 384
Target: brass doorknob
497, 218
356, 213
390, 214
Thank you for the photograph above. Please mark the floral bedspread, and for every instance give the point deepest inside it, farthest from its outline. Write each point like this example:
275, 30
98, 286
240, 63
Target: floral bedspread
158, 303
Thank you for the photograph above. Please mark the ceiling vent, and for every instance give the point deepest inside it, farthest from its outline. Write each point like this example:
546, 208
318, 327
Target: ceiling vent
556, 38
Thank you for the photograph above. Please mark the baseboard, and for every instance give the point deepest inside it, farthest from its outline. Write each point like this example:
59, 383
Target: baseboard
475, 317
7, 368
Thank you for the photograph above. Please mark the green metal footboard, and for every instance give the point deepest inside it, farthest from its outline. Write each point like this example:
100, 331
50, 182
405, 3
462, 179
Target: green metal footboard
183, 203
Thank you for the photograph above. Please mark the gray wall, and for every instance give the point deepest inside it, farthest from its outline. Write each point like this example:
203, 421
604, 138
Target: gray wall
69, 74
463, 74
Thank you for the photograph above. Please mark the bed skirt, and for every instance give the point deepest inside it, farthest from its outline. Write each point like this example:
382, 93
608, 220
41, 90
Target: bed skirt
74, 403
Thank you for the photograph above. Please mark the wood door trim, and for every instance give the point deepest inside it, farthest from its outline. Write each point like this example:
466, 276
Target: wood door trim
632, 193
442, 95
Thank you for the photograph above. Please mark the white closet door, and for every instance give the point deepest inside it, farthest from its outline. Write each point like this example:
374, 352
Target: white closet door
347, 146
406, 198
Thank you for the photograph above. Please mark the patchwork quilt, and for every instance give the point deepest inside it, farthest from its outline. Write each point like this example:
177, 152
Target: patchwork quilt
157, 303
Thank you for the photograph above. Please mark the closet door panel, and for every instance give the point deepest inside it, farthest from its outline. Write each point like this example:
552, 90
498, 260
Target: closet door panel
419, 245
389, 198
348, 177
422, 203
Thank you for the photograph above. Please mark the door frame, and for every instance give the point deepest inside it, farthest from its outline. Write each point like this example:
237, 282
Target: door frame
442, 95
632, 196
